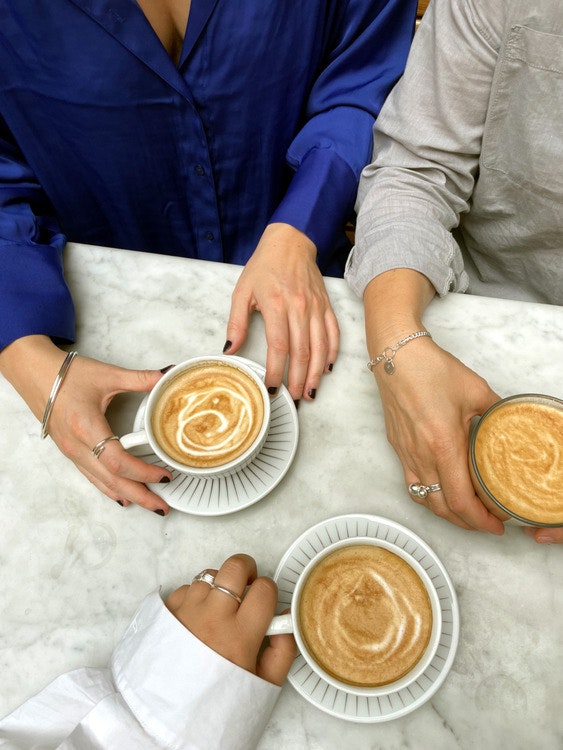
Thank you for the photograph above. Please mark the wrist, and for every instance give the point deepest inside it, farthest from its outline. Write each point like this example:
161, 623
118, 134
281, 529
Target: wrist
30, 364
394, 303
279, 232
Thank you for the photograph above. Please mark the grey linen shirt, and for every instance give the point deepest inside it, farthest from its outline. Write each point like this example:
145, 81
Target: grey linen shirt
467, 182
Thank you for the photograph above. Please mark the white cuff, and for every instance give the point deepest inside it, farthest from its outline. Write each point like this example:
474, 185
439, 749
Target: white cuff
183, 693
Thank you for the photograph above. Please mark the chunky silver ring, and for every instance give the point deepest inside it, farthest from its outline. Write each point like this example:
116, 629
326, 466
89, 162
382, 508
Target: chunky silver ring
208, 578
422, 490
99, 447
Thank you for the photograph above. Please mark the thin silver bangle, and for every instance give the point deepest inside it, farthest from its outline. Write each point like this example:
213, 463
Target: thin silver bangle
54, 390
389, 352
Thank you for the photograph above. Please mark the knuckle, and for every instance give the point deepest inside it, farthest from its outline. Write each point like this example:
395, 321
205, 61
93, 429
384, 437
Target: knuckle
279, 346
266, 588
301, 354
236, 564
113, 461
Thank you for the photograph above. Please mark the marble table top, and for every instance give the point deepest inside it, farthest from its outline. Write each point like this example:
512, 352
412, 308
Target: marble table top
74, 565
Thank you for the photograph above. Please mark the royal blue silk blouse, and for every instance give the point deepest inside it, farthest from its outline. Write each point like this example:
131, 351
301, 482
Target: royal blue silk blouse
103, 139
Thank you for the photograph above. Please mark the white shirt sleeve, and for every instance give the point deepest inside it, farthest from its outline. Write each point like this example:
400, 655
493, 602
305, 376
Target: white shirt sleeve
164, 689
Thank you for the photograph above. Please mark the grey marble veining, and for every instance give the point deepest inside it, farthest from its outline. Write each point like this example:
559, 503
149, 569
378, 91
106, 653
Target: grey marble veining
74, 565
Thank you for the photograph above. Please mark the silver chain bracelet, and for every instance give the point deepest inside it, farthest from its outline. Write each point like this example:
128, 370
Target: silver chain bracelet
389, 352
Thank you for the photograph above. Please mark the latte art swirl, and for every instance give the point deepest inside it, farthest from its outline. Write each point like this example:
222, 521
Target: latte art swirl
214, 423
365, 615
209, 415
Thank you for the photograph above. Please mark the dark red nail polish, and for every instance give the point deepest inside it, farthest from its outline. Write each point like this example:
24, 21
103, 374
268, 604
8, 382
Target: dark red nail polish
227, 346
165, 369
159, 512
312, 393
164, 480
329, 368
272, 390
120, 503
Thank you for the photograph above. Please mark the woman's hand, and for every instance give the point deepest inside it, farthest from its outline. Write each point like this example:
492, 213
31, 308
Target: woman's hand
77, 421
283, 282
236, 631
428, 401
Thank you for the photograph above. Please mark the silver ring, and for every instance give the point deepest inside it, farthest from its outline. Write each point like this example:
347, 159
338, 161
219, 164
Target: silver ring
206, 577
99, 447
422, 490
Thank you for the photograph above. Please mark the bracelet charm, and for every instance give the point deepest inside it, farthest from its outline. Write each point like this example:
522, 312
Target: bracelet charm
389, 352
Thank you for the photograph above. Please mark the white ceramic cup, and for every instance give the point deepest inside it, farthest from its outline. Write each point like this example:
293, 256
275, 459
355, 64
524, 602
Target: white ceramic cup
146, 437
289, 623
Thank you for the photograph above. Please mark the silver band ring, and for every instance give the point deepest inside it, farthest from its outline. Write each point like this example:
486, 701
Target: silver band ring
99, 447
206, 577
422, 490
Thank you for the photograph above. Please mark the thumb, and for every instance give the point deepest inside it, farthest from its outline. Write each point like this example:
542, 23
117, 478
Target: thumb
277, 658
141, 381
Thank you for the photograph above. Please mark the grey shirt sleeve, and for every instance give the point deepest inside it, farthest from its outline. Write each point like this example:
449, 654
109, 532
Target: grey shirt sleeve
427, 143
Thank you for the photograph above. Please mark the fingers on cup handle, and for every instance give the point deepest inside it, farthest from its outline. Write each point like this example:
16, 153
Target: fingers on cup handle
134, 439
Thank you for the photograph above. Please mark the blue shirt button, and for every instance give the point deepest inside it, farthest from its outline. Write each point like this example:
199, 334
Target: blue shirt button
209, 236
198, 169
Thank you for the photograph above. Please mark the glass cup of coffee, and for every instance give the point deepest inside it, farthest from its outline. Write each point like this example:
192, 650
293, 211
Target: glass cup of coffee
516, 459
206, 417
365, 616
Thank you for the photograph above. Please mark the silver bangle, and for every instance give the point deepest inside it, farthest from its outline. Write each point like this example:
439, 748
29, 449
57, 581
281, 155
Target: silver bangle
54, 390
389, 352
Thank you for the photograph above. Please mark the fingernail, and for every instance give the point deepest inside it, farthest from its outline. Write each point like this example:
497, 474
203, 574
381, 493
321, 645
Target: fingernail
329, 368
296, 403
272, 390
312, 393
119, 503
165, 369
543, 539
159, 512
164, 480
227, 346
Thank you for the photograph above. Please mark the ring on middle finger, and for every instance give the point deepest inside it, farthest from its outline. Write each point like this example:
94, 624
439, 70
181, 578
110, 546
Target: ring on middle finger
206, 577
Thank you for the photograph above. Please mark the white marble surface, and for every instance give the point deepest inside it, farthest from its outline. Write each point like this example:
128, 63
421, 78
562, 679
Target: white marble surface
74, 565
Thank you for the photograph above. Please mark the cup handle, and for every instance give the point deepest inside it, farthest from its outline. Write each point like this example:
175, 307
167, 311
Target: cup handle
133, 439
280, 624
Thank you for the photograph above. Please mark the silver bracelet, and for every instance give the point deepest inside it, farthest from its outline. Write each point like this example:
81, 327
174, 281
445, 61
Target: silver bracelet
54, 390
389, 352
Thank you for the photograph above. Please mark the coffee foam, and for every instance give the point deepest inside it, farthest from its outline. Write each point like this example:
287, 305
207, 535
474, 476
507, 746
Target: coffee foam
209, 415
365, 615
519, 455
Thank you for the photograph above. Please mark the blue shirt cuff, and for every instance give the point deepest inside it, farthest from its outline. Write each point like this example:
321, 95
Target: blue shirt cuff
319, 201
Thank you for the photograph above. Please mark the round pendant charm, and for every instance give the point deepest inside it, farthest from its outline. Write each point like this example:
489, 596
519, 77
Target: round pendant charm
389, 367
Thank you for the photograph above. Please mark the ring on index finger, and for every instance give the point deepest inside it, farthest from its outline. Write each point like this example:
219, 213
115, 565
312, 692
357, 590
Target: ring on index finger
98, 449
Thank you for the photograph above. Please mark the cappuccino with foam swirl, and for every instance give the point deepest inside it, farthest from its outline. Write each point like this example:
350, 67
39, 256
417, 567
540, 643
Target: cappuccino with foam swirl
208, 415
365, 615
516, 459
